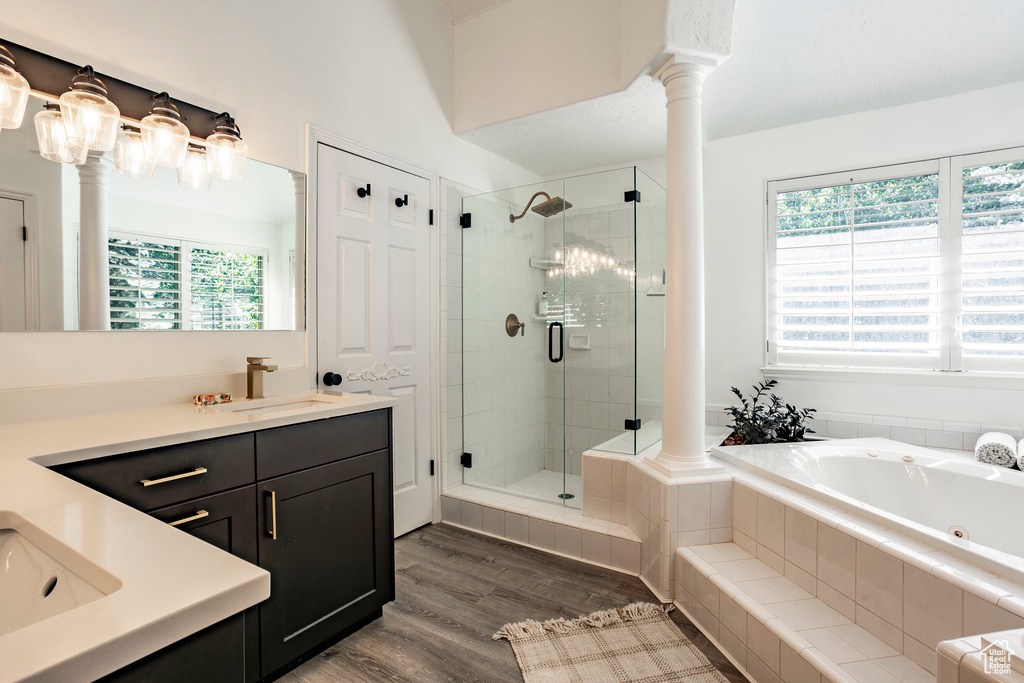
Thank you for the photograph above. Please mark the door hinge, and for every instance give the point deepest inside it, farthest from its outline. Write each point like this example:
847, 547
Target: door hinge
466, 460
431, 468
633, 425
24, 233
466, 220
431, 222
632, 196
767, 346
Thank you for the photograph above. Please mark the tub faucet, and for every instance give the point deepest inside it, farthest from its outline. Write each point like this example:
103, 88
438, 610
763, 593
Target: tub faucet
254, 369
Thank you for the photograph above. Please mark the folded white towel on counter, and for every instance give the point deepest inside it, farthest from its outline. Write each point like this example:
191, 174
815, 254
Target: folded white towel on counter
996, 448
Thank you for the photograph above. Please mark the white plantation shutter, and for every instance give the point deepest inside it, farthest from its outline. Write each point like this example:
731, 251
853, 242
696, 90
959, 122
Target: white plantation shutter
854, 264
992, 260
145, 284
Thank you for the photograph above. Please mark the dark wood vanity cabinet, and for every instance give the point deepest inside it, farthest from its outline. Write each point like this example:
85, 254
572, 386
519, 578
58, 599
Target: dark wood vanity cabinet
311, 503
327, 542
228, 651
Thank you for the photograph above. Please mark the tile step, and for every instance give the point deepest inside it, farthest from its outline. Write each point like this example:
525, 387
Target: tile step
787, 634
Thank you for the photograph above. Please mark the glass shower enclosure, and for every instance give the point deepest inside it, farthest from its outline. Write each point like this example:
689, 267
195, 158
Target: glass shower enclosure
563, 326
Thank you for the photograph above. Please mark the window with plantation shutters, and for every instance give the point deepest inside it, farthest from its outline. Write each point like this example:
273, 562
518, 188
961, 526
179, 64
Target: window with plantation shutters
856, 268
159, 283
145, 284
911, 267
227, 289
992, 263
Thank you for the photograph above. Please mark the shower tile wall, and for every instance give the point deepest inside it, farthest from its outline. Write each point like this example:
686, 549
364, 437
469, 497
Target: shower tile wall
502, 377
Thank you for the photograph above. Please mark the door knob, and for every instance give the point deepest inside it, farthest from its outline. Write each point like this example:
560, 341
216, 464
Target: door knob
332, 379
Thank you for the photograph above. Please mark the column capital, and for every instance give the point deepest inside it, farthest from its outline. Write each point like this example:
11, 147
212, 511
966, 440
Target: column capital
683, 80
299, 180
95, 169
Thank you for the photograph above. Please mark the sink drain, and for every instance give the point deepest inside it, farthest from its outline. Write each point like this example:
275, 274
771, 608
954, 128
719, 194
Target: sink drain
48, 587
959, 532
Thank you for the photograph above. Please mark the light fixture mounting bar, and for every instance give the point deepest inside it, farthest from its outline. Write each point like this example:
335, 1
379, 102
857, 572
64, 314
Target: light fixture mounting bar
51, 76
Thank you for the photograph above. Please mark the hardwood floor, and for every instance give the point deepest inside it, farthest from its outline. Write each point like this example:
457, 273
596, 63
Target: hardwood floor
456, 588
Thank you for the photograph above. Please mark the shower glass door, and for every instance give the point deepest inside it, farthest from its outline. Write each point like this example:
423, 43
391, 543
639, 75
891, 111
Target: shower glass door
513, 369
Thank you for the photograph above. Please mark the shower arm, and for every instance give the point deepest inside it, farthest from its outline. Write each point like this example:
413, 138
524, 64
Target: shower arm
513, 219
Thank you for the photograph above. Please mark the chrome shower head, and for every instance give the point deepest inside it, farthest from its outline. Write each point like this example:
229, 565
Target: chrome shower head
547, 209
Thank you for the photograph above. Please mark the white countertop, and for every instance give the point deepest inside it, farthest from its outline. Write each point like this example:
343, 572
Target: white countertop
170, 583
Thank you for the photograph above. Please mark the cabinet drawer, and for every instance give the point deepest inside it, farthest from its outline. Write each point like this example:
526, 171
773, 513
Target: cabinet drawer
152, 479
298, 447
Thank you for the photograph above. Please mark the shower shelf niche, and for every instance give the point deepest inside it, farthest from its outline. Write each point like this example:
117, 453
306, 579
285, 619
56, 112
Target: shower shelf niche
544, 264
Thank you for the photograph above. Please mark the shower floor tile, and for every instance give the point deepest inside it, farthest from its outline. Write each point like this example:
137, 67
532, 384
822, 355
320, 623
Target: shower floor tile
546, 485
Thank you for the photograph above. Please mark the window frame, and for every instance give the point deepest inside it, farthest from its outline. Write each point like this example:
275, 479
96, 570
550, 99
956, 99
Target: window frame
889, 368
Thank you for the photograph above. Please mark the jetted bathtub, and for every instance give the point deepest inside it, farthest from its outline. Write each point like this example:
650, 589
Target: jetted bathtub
946, 500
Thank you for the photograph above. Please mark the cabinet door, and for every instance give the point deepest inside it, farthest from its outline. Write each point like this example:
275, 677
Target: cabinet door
228, 651
326, 539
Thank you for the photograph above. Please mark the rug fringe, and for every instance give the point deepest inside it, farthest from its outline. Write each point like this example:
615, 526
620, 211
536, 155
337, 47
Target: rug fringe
609, 617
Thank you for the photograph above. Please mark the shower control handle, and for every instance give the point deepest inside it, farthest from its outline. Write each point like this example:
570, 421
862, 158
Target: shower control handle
551, 342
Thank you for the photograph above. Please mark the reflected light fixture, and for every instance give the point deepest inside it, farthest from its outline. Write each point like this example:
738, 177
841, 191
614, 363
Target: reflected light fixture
194, 173
13, 91
130, 157
90, 119
163, 133
53, 137
226, 151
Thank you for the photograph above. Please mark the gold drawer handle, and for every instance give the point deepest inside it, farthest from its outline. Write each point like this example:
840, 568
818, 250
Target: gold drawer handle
272, 532
154, 482
198, 515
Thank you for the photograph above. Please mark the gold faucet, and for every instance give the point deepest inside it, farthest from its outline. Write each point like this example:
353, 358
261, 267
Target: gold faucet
254, 369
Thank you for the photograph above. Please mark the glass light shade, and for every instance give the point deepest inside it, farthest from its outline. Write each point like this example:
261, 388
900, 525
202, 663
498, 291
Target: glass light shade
194, 173
13, 96
226, 154
130, 155
53, 138
90, 119
166, 139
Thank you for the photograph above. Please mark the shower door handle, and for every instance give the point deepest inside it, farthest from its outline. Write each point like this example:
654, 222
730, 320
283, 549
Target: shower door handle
551, 342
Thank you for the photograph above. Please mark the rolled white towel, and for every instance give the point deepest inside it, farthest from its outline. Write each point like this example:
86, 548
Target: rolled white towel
996, 448
1020, 454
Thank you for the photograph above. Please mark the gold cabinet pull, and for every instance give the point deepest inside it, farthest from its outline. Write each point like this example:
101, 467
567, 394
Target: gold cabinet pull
198, 515
173, 477
272, 532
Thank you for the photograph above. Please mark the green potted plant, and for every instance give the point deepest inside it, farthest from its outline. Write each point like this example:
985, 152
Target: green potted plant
765, 418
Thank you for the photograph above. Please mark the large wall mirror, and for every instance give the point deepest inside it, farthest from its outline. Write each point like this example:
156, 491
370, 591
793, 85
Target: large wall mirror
103, 251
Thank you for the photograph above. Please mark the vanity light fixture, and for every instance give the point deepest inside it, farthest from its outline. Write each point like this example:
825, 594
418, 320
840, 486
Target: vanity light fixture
226, 151
53, 137
163, 133
194, 173
13, 91
130, 157
89, 117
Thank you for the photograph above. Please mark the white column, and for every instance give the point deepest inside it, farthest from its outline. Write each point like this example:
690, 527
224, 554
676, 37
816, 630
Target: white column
682, 445
93, 269
299, 180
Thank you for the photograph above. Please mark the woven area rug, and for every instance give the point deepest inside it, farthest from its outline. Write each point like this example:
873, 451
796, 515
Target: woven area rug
638, 643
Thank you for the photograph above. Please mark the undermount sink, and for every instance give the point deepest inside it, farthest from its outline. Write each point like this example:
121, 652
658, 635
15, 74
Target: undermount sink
280, 404
33, 584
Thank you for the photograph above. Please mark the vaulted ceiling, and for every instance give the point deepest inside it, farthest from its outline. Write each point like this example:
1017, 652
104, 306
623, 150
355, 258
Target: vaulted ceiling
792, 61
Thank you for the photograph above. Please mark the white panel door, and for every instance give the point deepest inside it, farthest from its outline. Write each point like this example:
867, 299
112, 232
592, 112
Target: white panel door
12, 265
373, 320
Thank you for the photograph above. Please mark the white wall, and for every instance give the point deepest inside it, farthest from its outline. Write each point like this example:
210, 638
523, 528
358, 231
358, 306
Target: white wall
376, 72
735, 172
